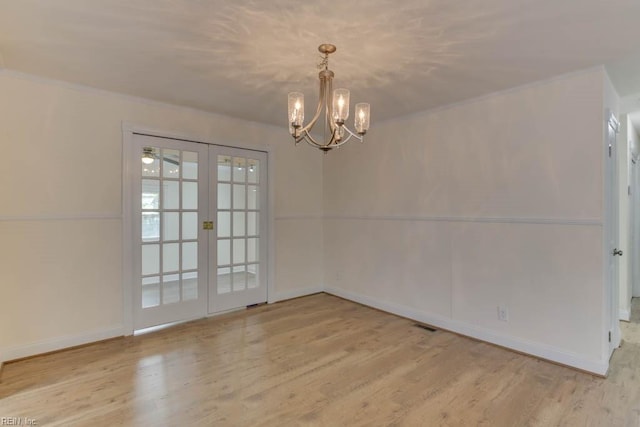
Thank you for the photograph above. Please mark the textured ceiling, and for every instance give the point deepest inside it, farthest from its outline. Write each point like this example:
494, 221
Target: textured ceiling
242, 57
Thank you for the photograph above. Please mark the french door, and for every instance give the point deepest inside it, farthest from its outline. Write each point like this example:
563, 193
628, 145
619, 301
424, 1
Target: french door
239, 200
199, 221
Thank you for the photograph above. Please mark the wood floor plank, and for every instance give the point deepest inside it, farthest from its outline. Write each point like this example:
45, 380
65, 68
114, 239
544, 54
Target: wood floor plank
317, 360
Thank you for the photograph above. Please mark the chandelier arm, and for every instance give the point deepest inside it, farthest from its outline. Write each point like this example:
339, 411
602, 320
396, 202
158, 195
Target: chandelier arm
311, 141
342, 142
355, 135
345, 140
304, 137
332, 143
329, 108
316, 116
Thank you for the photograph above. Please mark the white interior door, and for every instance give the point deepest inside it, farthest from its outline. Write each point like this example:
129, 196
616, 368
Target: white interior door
239, 199
170, 246
611, 232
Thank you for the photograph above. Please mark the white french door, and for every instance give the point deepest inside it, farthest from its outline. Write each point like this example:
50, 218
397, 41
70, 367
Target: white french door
197, 247
239, 199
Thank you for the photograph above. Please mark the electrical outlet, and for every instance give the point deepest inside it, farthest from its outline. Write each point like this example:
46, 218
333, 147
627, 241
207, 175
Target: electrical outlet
503, 313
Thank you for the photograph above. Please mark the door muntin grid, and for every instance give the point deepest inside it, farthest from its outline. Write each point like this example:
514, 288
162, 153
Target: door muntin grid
238, 219
169, 229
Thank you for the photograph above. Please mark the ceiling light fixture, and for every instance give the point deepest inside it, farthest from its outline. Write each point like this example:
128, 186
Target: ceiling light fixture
147, 155
336, 111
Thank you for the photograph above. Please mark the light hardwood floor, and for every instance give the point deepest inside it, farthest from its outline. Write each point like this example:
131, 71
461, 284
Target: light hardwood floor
318, 360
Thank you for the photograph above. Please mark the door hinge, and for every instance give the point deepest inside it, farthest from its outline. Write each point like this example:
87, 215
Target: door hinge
609, 150
629, 190
609, 336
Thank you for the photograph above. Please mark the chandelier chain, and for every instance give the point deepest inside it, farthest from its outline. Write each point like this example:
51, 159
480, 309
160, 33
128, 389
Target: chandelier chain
324, 62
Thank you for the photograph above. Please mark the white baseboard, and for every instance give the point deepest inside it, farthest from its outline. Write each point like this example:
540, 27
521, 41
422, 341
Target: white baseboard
295, 293
624, 315
532, 348
59, 343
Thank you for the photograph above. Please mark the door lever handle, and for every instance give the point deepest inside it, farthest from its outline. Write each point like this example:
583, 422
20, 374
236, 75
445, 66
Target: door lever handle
617, 251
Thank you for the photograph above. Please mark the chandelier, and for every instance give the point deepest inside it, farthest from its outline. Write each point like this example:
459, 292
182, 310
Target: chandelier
334, 104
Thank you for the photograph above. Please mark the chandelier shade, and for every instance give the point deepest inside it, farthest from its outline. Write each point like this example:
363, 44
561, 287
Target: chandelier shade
361, 121
333, 107
296, 110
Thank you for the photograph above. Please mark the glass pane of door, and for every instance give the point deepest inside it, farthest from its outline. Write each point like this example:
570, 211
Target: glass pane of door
168, 245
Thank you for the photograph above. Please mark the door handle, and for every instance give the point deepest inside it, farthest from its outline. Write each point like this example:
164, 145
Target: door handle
617, 251
207, 225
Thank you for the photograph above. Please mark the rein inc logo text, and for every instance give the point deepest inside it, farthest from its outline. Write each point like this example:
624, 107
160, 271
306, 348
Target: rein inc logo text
18, 421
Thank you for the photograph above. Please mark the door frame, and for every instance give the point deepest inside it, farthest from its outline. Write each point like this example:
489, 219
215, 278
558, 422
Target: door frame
635, 225
128, 130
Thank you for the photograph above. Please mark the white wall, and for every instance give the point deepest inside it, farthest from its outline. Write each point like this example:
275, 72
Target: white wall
61, 211
444, 215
